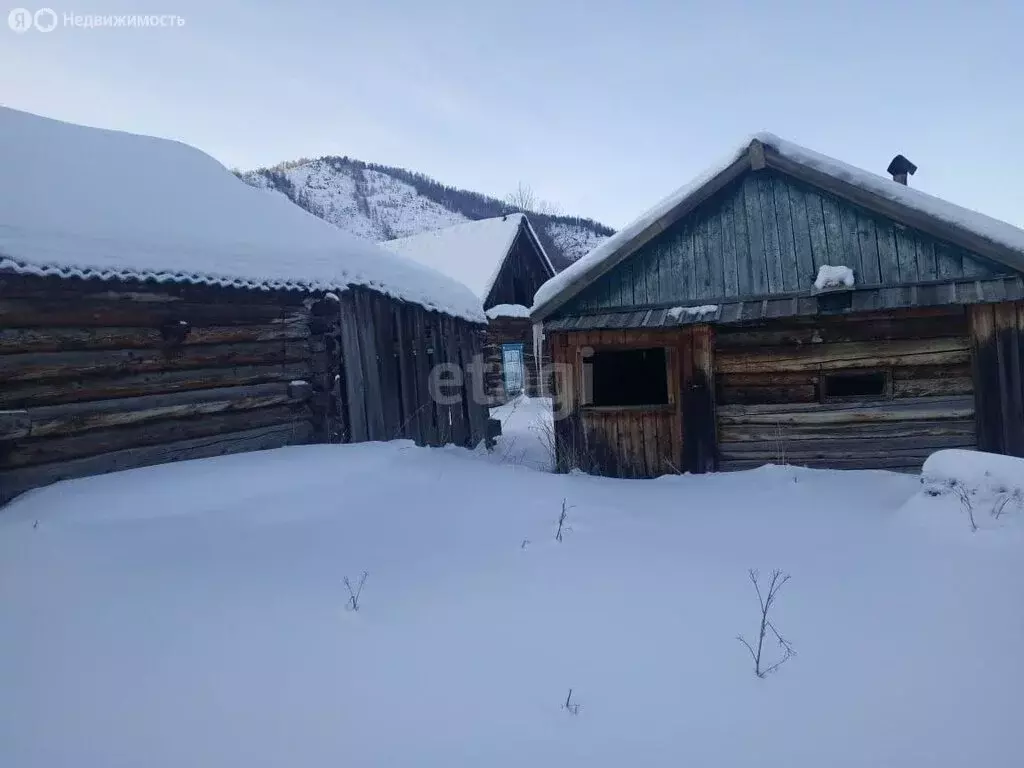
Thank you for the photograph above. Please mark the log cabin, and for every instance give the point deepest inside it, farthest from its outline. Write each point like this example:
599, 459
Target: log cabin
154, 308
504, 263
786, 307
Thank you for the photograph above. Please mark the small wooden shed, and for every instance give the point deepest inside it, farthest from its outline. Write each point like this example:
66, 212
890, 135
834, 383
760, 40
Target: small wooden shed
789, 308
504, 263
154, 308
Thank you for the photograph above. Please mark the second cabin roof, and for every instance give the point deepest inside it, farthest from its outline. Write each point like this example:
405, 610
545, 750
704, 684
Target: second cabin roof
472, 253
996, 240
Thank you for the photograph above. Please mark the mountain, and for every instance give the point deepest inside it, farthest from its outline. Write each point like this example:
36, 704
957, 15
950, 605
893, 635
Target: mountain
379, 202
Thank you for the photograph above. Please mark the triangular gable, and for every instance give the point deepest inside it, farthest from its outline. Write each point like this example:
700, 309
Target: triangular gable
473, 252
526, 264
767, 234
995, 242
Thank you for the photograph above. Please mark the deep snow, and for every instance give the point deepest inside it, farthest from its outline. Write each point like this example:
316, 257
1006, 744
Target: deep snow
194, 614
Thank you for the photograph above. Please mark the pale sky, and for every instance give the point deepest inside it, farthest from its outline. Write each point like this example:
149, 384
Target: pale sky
601, 107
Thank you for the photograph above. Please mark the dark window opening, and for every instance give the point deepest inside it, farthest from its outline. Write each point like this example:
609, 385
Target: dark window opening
842, 385
626, 377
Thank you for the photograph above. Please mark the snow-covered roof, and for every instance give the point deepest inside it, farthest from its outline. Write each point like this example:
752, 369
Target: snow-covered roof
508, 310
1002, 241
87, 202
472, 253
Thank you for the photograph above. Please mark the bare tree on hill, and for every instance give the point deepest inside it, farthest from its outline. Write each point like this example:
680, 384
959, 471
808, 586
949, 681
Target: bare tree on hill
524, 199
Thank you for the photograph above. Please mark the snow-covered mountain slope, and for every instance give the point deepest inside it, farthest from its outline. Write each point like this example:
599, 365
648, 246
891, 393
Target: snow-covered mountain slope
380, 202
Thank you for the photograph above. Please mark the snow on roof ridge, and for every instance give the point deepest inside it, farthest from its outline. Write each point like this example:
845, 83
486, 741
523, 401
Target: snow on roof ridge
994, 230
103, 204
987, 227
472, 252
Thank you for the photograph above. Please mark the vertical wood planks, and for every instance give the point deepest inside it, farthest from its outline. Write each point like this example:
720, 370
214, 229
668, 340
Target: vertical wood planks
949, 261
801, 237
868, 242
833, 231
755, 237
1011, 381
716, 286
384, 325
818, 236
389, 351
371, 366
426, 415
406, 372
770, 230
906, 254
851, 242
985, 366
730, 273
355, 381
744, 266
787, 241
701, 261
888, 258
926, 268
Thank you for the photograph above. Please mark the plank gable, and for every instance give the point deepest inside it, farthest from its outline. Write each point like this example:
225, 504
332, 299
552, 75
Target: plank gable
767, 234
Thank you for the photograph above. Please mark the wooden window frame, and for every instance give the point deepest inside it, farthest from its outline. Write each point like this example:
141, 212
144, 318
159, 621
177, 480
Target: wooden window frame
586, 379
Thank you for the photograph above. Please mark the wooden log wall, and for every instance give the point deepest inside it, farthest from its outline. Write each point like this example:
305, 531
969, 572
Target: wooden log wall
388, 350
100, 374
997, 338
637, 441
511, 330
772, 407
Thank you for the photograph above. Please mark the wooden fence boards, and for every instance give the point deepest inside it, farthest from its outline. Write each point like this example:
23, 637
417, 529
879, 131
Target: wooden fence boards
997, 343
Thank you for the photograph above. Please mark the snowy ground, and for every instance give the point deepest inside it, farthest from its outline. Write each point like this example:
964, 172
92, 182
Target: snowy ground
194, 615
527, 433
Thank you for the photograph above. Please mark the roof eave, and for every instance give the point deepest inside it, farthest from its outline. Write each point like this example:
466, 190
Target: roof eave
540, 246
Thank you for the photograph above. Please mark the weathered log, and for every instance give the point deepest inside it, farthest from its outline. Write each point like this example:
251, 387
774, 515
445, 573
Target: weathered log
952, 385
50, 313
769, 394
13, 482
931, 372
105, 414
893, 464
830, 331
946, 351
96, 388
29, 451
851, 416
14, 424
740, 433
782, 379
897, 405
840, 446
34, 366
21, 340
